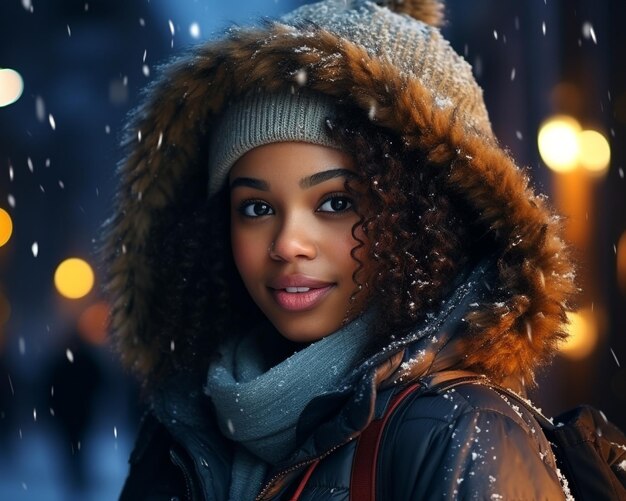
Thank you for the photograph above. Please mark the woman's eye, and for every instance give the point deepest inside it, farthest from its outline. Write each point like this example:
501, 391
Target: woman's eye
336, 204
255, 209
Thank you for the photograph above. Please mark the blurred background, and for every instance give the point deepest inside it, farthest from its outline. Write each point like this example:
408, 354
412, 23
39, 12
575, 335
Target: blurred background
70, 71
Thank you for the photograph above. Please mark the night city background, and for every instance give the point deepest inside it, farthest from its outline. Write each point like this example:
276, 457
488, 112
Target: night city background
68, 412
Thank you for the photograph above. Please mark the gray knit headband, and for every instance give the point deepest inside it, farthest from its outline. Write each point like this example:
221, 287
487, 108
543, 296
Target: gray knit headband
263, 118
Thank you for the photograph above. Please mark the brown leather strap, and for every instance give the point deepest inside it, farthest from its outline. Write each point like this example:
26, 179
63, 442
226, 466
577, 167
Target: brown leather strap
363, 479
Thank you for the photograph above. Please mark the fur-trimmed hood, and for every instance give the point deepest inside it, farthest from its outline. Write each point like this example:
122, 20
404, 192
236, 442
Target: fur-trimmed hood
430, 110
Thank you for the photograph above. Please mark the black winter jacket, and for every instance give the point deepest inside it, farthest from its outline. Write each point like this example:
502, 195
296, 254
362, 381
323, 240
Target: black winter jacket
466, 443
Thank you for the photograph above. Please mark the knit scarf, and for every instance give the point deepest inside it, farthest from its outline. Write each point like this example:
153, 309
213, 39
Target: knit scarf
258, 405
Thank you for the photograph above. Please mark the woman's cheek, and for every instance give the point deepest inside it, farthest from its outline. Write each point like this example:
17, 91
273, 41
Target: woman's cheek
244, 253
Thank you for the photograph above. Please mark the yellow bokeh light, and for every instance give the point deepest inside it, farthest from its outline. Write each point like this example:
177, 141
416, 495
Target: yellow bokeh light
595, 152
6, 227
558, 143
74, 278
11, 86
583, 335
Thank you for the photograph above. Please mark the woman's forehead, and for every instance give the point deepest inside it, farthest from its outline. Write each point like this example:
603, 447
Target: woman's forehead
304, 163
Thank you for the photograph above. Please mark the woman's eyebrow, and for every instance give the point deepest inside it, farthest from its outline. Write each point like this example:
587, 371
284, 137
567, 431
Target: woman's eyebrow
320, 177
250, 182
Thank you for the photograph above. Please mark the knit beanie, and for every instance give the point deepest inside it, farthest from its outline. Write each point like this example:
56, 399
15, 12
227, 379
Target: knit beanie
263, 118
405, 34
407, 37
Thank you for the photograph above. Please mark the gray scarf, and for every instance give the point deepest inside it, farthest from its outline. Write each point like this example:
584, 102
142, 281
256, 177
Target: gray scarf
258, 405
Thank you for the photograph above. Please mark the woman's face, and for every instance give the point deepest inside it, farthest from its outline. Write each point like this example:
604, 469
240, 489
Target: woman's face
291, 233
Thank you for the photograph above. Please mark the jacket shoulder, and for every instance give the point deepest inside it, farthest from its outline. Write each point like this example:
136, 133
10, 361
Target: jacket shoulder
153, 475
466, 442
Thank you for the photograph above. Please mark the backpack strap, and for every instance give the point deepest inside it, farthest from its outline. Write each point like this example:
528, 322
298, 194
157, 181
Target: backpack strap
362, 480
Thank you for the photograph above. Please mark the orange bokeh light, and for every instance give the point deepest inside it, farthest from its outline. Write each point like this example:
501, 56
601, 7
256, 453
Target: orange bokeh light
93, 322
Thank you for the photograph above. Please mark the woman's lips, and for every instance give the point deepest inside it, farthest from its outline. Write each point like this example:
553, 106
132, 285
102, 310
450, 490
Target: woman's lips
300, 301
298, 292
304, 299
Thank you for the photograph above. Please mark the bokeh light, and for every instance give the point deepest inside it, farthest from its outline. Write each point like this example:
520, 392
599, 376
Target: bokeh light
11, 86
74, 278
583, 335
6, 227
595, 152
558, 143
92, 323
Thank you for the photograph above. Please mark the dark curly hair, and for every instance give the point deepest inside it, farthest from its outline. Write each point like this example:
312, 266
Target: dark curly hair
417, 239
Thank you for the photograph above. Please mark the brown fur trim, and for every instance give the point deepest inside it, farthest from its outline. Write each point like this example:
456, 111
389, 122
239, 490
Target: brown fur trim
427, 11
513, 335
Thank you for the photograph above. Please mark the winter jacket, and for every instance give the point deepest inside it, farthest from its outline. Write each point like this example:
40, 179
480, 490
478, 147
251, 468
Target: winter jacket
467, 443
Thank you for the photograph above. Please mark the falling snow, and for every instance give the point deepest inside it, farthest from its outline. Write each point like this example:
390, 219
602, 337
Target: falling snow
615, 357
11, 200
589, 32
512, 74
194, 30
543, 27
69, 31
372, 111
115, 431
69, 355
172, 31
40, 108
301, 77
52, 122
35, 249
31, 167
145, 70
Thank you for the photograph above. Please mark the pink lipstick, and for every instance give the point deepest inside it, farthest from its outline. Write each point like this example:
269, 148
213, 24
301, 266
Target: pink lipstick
299, 292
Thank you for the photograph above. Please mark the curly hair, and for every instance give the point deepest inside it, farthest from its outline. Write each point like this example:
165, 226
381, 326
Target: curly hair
417, 233
417, 238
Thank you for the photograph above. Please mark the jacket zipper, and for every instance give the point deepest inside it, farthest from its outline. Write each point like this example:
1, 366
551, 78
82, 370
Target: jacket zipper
177, 460
276, 477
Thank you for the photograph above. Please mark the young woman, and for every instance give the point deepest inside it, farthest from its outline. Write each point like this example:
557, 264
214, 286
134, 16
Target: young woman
313, 214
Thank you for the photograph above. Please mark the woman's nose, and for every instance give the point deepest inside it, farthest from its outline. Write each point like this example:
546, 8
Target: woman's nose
294, 240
